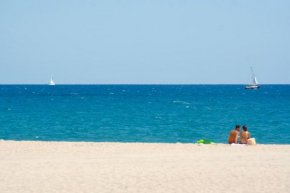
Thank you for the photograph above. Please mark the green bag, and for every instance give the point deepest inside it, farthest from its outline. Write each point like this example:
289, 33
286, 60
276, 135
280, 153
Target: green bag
205, 141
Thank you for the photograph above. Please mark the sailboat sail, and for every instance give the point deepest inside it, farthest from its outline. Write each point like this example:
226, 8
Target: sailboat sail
51, 82
255, 81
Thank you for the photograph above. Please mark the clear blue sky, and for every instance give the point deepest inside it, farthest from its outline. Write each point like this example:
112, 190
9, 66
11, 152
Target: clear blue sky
144, 42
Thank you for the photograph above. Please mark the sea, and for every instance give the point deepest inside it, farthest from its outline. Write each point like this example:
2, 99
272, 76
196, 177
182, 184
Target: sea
143, 113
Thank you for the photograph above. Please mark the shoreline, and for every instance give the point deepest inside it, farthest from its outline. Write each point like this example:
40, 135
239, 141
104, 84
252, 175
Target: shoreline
117, 142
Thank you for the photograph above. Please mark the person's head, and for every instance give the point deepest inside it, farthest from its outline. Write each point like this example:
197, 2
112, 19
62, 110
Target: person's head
245, 128
238, 127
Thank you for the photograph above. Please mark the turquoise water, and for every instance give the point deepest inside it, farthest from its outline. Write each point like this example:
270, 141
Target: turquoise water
143, 113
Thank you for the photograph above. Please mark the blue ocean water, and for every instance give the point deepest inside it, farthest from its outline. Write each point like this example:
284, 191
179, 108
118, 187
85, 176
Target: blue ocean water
143, 113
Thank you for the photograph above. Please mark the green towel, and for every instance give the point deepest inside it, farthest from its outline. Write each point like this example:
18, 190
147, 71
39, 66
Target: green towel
205, 141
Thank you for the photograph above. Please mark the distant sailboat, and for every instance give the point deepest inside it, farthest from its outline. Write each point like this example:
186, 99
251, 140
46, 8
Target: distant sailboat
52, 83
255, 84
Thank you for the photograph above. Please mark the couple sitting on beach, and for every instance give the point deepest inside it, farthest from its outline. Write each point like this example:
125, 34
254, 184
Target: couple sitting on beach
234, 135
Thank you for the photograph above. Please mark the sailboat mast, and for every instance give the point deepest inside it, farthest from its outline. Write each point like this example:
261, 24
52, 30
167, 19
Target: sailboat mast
253, 74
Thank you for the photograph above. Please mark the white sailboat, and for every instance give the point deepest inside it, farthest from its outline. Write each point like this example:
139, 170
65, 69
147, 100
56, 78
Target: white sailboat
255, 84
52, 83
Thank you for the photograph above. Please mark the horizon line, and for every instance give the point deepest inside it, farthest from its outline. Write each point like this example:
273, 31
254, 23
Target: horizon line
143, 84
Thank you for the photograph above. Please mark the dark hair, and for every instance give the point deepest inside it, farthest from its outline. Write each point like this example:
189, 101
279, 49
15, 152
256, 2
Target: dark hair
238, 126
245, 128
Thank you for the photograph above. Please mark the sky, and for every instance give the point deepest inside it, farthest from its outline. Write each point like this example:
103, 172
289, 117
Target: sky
144, 41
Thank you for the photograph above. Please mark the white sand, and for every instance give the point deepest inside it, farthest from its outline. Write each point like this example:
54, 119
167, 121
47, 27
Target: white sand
136, 167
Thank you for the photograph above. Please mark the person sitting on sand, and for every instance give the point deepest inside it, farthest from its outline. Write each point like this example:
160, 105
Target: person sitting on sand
234, 135
245, 135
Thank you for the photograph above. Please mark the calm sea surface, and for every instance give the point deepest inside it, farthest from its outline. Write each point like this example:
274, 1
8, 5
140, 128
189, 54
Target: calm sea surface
143, 113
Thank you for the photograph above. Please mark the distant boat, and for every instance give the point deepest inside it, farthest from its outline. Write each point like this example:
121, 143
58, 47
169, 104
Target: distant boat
255, 84
52, 83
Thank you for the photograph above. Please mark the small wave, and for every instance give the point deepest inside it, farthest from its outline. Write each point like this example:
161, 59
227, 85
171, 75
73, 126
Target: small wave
183, 102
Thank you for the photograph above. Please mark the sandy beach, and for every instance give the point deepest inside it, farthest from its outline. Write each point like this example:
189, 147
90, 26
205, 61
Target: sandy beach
141, 167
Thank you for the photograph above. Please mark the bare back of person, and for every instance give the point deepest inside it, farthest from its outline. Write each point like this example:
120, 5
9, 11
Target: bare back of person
234, 135
245, 135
